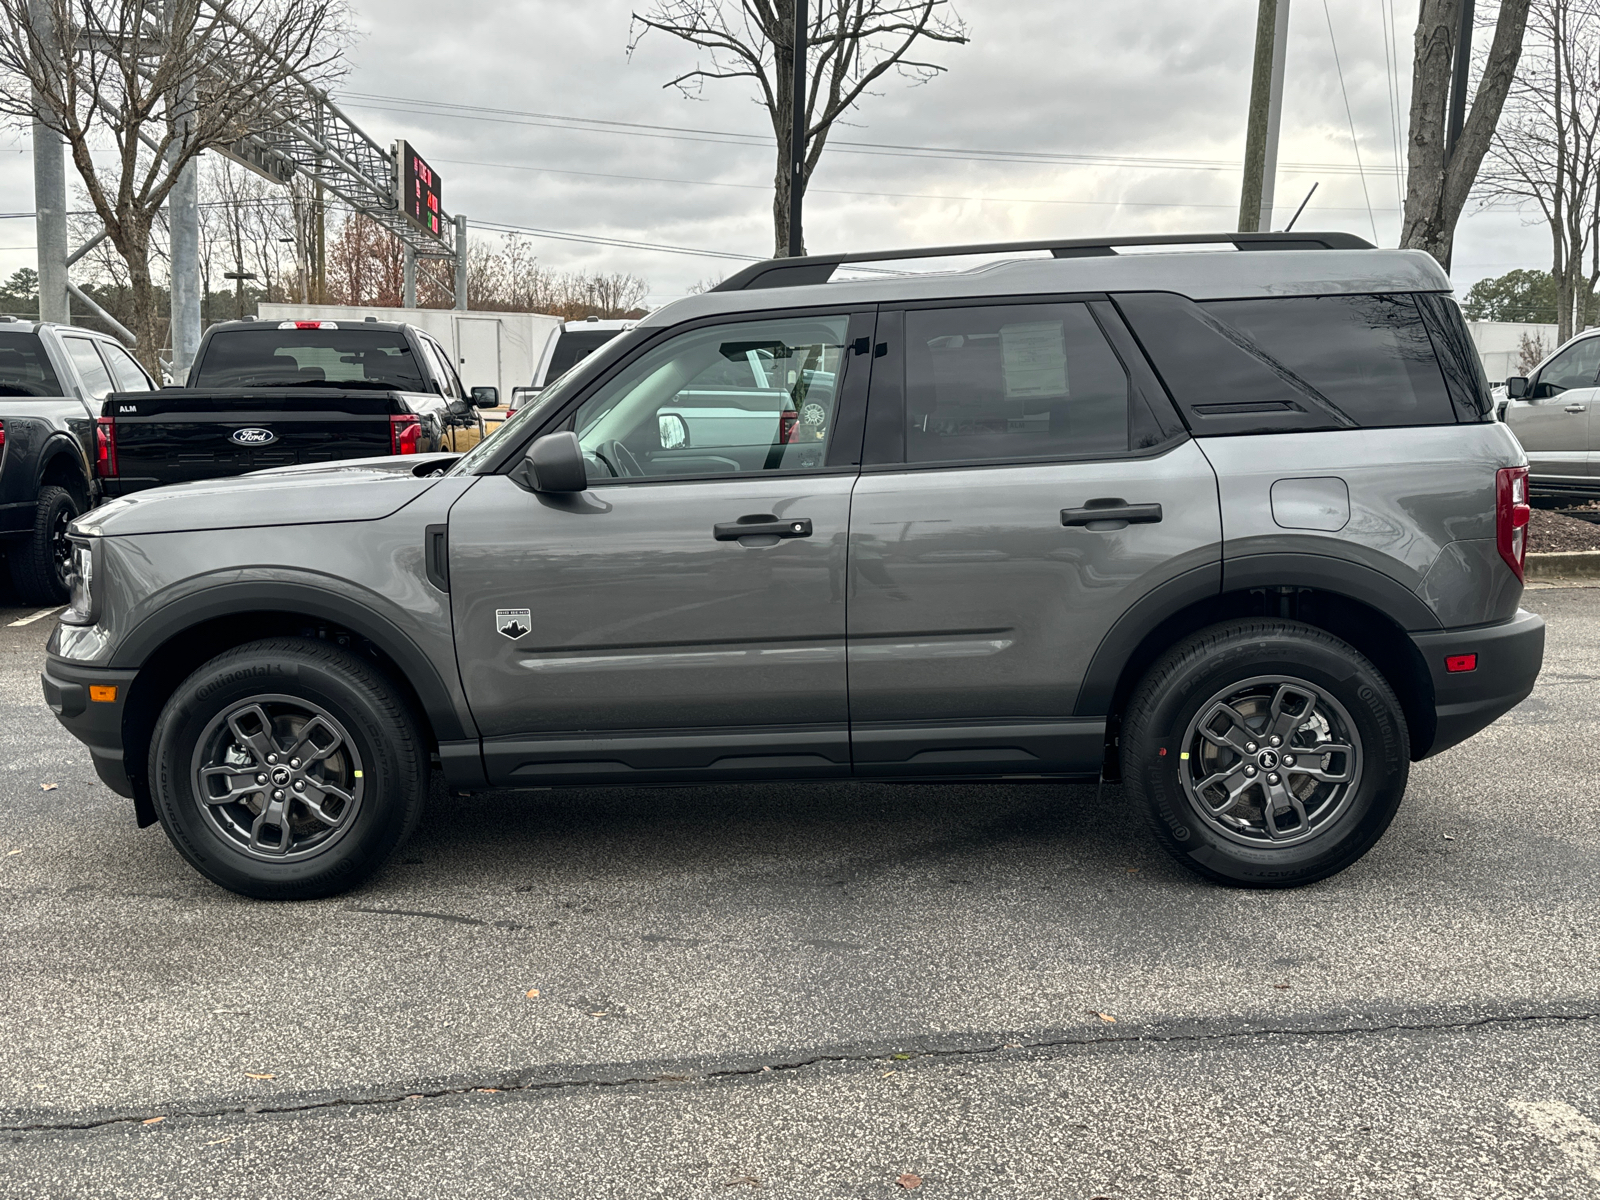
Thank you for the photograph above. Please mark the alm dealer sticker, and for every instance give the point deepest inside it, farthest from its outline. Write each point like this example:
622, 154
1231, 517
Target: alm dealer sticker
513, 622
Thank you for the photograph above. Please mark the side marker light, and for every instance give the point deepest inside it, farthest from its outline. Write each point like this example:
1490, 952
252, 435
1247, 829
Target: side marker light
103, 693
1457, 663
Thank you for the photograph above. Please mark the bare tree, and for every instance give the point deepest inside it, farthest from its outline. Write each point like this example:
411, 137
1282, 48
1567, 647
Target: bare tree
159, 82
1439, 183
851, 43
1547, 150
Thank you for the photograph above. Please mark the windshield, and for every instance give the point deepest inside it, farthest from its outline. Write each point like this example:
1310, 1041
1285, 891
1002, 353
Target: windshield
24, 368
341, 358
575, 346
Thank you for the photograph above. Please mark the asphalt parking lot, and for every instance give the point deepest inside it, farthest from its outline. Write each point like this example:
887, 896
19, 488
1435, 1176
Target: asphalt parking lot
814, 992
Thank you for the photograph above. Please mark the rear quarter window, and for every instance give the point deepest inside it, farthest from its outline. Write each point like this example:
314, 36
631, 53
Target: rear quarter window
1279, 365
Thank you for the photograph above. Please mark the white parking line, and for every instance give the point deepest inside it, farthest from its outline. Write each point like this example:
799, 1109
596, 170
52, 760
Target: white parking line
29, 620
1567, 1129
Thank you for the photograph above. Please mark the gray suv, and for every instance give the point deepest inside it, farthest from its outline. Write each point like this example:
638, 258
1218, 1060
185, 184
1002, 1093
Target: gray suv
1235, 527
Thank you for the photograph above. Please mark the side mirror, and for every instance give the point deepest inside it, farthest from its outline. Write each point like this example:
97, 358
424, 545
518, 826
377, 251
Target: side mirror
486, 397
554, 463
674, 431
1518, 387
459, 408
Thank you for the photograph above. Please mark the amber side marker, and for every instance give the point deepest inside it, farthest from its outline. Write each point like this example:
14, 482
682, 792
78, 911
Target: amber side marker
103, 693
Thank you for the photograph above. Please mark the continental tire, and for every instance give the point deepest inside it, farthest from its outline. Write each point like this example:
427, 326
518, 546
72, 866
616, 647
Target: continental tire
1265, 753
40, 564
288, 769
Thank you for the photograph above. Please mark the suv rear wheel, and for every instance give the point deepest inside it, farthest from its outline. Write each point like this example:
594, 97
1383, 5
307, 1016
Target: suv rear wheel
287, 769
1265, 753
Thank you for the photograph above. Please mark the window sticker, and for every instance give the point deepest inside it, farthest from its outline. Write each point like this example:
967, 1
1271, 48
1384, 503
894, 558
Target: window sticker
1033, 358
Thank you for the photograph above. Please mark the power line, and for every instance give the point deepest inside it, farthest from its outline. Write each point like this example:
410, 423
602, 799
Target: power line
1351, 118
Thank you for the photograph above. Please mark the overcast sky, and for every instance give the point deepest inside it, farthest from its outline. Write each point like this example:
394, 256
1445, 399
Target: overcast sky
1141, 79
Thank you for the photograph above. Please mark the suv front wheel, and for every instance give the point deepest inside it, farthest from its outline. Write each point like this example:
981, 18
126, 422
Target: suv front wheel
287, 769
1265, 753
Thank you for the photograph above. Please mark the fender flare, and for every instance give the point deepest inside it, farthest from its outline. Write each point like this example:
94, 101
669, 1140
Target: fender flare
238, 598
62, 444
1324, 573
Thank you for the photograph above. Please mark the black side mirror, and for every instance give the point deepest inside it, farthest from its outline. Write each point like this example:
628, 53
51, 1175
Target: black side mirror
1518, 387
486, 397
554, 463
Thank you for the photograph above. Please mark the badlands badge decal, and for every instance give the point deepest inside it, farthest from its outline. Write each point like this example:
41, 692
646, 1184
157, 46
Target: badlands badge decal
513, 622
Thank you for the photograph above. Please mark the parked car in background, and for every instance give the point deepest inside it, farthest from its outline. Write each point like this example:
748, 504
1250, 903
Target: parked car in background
574, 343
271, 394
1555, 413
53, 379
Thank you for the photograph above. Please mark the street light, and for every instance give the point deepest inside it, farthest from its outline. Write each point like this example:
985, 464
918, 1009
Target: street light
238, 278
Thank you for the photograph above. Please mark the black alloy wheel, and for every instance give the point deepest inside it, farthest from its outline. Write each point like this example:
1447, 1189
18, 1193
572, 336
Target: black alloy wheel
41, 567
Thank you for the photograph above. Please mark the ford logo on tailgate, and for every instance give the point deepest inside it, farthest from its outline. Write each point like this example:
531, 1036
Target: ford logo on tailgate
253, 437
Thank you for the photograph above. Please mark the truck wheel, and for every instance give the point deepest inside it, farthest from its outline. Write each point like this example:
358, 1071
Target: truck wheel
41, 565
287, 769
1265, 753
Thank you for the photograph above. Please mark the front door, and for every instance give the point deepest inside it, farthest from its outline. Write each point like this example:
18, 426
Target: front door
1553, 424
685, 616
1026, 503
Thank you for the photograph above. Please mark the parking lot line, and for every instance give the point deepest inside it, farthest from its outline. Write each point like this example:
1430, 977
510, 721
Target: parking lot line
32, 617
1567, 1129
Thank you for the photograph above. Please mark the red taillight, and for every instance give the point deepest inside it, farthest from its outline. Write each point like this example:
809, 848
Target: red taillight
1511, 516
105, 448
1456, 663
405, 434
510, 412
2, 433
788, 422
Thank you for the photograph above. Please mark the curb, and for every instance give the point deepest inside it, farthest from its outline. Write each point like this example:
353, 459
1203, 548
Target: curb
1563, 564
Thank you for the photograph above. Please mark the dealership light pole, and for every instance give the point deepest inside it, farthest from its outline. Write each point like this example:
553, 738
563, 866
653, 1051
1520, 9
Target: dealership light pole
1266, 109
797, 134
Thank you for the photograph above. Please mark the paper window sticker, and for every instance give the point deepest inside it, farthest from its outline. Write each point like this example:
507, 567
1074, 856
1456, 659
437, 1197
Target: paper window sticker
1033, 359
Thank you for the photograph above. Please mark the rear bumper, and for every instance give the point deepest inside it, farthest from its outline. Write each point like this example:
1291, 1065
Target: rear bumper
95, 723
1509, 657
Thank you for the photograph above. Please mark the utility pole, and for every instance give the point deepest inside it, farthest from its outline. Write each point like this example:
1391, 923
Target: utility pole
461, 262
183, 214
797, 134
49, 195
408, 292
1266, 111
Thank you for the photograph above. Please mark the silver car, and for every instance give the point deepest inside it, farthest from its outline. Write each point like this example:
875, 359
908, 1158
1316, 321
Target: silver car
1555, 414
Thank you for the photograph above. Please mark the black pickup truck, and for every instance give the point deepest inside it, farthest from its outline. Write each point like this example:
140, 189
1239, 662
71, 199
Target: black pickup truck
265, 394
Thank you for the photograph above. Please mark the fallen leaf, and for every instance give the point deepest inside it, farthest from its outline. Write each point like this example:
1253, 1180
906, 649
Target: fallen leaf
1282, 987
1133, 870
532, 993
488, 1091
1107, 1018
598, 1014
230, 1012
153, 1121
900, 1057
47, 787
739, 1179
219, 1141
1449, 837
253, 1075
886, 1074
911, 1182
9, 853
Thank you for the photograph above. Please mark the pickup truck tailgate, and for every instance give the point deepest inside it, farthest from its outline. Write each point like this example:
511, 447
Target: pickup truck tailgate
182, 435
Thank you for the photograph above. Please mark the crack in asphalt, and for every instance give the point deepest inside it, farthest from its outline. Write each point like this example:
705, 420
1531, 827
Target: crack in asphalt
528, 1082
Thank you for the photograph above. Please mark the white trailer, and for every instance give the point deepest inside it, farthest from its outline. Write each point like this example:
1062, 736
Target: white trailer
492, 349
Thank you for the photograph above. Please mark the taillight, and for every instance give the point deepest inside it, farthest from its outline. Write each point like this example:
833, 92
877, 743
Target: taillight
788, 422
405, 434
105, 448
1511, 516
2, 434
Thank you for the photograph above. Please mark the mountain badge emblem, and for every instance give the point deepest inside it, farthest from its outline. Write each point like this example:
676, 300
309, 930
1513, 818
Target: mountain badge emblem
513, 622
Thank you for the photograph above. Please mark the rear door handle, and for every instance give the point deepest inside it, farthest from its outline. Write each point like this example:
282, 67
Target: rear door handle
762, 524
1576, 408
1112, 510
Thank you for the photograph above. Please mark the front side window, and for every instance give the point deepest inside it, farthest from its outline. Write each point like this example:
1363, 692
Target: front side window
1012, 382
25, 368
1576, 366
129, 376
342, 358
96, 379
752, 396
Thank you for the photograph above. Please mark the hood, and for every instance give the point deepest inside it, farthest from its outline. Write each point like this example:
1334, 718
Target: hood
365, 490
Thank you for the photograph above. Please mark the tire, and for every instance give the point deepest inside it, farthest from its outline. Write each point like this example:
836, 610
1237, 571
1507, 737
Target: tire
1201, 778
41, 563
340, 807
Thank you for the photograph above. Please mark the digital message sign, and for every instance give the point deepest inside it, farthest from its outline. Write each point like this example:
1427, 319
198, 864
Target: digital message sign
420, 189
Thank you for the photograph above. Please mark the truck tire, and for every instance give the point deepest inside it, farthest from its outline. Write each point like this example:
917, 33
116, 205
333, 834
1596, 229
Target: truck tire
1265, 753
41, 563
288, 769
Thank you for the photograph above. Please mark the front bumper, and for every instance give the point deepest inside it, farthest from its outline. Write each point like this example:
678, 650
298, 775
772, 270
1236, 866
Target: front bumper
1509, 657
95, 723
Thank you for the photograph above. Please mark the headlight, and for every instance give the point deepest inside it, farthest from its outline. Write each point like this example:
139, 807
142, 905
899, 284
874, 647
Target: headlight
80, 611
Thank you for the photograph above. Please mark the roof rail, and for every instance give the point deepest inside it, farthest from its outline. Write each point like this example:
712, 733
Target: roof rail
819, 268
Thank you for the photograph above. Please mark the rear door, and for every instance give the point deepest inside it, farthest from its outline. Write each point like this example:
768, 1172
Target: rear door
1020, 492
685, 616
1555, 424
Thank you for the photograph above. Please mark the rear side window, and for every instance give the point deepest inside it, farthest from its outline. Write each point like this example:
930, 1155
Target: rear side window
1293, 363
340, 358
96, 379
1011, 382
127, 373
25, 369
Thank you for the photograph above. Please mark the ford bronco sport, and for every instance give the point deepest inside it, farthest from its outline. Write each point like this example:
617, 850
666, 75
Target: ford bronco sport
1236, 527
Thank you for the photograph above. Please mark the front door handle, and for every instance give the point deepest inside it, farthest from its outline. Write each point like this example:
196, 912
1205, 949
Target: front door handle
1112, 510
1576, 408
762, 524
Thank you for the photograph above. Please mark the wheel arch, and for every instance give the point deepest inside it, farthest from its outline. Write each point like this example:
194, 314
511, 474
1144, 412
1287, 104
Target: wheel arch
61, 464
170, 644
1367, 609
